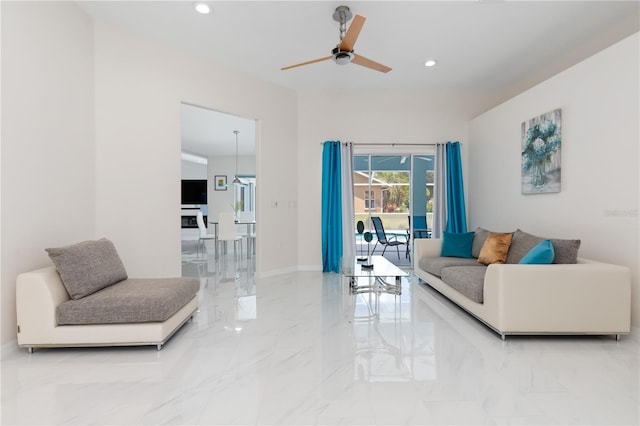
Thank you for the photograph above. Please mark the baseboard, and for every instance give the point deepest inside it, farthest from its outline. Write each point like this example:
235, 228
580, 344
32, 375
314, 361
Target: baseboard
310, 268
276, 272
634, 334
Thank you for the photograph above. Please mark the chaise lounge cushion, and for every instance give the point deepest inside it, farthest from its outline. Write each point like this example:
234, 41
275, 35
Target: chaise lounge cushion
130, 301
566, 251
468, 280
88, 266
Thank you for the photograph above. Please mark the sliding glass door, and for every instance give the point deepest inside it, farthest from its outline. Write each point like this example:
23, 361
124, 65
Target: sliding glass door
395, 188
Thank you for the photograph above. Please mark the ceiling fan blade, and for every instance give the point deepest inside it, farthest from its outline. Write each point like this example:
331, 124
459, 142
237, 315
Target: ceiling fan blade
313, 61
349, 40
361, 60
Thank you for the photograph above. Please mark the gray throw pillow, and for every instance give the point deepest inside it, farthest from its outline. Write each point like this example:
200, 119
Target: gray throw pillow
566, 251
88, 266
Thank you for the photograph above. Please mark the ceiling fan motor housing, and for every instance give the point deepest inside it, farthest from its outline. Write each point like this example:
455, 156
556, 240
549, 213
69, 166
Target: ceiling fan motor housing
341, 57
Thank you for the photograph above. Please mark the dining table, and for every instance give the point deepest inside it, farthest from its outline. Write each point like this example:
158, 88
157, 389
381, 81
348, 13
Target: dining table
250, 224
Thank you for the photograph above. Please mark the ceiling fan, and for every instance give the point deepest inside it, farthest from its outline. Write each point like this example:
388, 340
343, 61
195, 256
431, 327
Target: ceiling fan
343, 53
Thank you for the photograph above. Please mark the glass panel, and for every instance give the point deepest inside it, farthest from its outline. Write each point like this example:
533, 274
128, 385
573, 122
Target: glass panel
245, 195
382, 188
423, 184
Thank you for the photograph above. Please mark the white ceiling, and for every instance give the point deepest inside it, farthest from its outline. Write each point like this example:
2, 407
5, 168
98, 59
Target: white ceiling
482, 46
209, 132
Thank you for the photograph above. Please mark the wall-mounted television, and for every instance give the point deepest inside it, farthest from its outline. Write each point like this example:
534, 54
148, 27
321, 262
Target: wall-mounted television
194, 191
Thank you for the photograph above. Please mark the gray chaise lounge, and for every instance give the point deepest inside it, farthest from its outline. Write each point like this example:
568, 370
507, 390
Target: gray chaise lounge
88, 300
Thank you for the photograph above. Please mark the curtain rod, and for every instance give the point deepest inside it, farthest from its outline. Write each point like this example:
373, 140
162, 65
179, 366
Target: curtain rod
392, 144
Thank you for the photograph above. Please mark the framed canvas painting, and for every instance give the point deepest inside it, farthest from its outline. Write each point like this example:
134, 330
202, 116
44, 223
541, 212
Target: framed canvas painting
541, 143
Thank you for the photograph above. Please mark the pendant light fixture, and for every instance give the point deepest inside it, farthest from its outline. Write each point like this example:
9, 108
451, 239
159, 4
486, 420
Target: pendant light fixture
236, 179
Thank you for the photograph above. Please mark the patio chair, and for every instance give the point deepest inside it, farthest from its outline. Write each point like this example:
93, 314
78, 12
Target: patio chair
420, 229
391, 241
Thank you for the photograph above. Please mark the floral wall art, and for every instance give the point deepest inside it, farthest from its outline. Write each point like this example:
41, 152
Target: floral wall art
541, 139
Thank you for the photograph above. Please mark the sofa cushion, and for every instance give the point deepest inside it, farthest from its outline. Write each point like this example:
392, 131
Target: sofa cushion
468, 280
130, 301
566, 251
88, 266
479, 238
434, 265
457, 244
541, 254
495, 248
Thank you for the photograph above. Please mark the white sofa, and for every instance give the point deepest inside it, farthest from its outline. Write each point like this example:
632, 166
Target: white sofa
40, 292
588, 297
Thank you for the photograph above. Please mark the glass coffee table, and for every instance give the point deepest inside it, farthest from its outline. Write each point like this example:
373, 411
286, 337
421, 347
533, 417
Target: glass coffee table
383, 277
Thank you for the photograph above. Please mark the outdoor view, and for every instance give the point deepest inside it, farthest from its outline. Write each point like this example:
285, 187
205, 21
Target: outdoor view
385, 187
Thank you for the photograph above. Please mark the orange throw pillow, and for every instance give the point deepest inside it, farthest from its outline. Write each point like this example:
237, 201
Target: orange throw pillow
495, 248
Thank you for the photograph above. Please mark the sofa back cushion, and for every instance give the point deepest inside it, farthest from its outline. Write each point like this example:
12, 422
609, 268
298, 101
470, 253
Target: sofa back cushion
478, 241
88, 266
566, 251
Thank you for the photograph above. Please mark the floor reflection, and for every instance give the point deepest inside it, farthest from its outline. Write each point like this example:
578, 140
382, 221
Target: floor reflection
232, 270
387, 348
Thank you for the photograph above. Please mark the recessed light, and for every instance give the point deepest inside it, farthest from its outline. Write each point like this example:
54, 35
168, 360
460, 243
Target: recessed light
202, 8
430, 62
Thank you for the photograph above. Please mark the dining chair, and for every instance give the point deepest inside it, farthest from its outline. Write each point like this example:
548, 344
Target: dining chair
250, 233
204, 235
391, 241
227, 231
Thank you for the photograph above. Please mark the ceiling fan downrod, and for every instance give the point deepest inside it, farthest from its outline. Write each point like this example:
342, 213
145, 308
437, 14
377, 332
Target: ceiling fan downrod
236, 180
342, 15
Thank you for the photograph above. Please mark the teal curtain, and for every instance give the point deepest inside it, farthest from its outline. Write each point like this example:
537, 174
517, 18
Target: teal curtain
456, 214
331, 207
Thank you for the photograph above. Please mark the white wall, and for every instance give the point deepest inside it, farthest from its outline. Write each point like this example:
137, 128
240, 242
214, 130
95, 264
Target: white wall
220, 201
191, 170
140, 85
48, 181
598, 202
91, 143
368, 118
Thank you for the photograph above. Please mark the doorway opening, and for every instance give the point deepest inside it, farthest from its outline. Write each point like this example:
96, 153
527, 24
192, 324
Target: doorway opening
218, 149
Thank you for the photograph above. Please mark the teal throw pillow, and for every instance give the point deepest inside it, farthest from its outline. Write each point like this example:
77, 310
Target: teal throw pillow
457, 244
541, 254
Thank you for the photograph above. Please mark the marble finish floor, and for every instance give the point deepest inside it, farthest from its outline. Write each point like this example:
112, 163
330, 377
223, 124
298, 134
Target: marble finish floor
298, 349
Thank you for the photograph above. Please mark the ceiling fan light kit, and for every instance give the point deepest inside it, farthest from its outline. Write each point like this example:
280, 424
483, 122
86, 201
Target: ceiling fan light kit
343, 53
